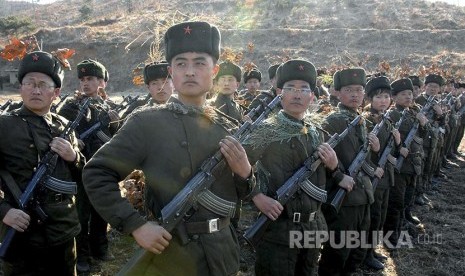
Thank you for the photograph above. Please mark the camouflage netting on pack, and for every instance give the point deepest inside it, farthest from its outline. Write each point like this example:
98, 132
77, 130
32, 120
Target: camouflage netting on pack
282, 129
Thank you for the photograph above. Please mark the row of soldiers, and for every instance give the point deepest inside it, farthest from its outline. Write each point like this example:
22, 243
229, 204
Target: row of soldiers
171, 136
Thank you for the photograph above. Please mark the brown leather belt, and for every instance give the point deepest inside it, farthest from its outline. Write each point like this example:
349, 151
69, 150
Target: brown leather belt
208, 226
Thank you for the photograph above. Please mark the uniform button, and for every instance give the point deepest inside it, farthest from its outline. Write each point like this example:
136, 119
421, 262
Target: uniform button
184, 144
175, 115
31, 146
292, 146
195, 237
34, 169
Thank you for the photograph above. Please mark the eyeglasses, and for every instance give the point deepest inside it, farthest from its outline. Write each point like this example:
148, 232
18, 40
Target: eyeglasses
295, 90
43, 86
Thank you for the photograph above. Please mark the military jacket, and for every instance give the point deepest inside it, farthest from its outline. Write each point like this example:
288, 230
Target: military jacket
168, 143
412, 163
228, 106
25, 139
372, 118
289, 143
97, 112
346, 152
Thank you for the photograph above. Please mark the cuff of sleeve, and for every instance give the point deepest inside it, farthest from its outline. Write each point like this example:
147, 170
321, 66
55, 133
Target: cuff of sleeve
132, 223
337, 176
4, 208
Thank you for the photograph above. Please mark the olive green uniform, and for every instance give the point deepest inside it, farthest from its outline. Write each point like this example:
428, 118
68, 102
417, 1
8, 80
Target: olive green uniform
46, 248
168, 158
289, 143
354, 214
92, 241
225, 104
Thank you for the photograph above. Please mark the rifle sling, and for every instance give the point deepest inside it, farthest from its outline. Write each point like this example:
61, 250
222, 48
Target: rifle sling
11, 185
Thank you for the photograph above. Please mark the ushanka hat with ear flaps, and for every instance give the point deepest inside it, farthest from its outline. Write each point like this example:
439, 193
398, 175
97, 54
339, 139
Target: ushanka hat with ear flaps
435, 78
92, 68
416, 81
41, 62
296, 69
349, 77
252, 74
155, 70
200, 37
231, 69
272, 70
401, 85
376, 83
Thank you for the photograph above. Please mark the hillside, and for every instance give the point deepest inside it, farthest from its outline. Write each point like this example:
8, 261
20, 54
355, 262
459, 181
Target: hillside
125, 34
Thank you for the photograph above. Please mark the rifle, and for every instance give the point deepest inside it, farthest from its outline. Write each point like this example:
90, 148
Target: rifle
386, 155
299, 180
5, 105
173, 213
129, 100
356, 166
413, 131
55, 106
46, 166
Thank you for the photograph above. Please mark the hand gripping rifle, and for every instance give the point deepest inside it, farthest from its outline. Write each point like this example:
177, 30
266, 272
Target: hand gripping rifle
413, 131
386, 155
45, 168
357, 164
174, 212
299, 180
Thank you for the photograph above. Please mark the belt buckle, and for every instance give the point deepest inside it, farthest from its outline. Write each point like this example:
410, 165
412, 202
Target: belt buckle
296, 217
213, 225
312, 216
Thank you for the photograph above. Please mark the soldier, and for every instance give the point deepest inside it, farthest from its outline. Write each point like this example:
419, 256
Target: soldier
190, 132
93, 76
159, 83
291, 139
402, 91
378, 94
265, 97
228, 79
252, 79
38, 247
461, 118
354, 215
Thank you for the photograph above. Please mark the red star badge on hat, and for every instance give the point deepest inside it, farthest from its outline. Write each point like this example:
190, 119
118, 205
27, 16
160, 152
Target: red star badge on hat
301, 67
35, 57
187, 30
355, 74
83, 70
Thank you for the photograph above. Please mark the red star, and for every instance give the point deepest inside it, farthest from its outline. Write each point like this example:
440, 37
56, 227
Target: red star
301, 67
83, 70
187, 30
35, 57
355, 74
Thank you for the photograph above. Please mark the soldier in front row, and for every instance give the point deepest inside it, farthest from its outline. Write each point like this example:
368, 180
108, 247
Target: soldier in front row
291, 139
44, 247
191, 132
354, 215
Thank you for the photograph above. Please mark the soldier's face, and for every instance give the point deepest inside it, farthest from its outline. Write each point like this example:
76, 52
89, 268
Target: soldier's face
381, 102
404, 98
161, 89
227, 84
252, 85
416, 91
351, 95
296, 98
192, 74
90, 85
432, 89
38, 92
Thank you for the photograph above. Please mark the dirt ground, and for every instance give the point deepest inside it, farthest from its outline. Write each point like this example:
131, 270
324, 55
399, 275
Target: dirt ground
437, 246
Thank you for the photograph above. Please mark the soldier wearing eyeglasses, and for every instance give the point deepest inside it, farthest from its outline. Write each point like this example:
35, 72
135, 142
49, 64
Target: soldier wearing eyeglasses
39, 247
291, 138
